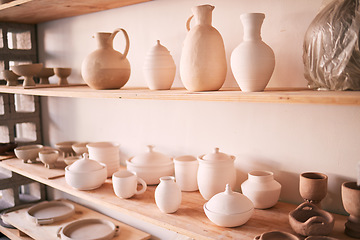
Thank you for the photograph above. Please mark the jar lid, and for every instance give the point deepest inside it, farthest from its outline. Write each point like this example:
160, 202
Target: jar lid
151, 158
159, 57
85, 165
217, 156
229, 202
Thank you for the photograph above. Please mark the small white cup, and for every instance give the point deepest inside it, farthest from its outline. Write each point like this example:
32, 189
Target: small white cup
186, 168
125, 184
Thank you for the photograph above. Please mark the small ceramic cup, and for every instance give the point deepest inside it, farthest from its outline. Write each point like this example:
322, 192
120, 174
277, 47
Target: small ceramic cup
49, 157
125, 184
186, 168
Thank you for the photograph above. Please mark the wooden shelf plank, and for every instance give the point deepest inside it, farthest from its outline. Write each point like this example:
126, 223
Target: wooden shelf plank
13, 234
37, 11
297, 95
189, 220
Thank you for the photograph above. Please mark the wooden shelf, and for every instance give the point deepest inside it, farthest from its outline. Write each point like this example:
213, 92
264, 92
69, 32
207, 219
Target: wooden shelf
189, 220
304, 96
37, 11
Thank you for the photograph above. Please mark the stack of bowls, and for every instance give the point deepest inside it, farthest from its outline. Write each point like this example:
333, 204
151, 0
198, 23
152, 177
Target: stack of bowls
106, 153
151, 166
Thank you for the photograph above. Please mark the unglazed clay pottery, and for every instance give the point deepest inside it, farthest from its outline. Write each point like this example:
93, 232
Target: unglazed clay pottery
309, 220
253, 61
203, 62
262, 189
215, 171
350, 193
44, 75
85, 174
321, 238
28, 71
276, 235
80, 148
186, 168
66, 148
229, 209
70, 160
49, 157
28, 153
159, 68
125, 184
168, 195
313, 187
106, 68
10, 77
63, 74
107, 153
151, 166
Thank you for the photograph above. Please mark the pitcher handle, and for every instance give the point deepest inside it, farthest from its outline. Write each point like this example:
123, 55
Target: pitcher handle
188, 22
126, 39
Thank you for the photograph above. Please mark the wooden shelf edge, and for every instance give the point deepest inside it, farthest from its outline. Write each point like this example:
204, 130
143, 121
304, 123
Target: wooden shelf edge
285, 95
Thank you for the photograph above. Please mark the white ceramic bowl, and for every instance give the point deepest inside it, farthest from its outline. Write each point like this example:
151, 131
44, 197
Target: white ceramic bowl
49, 157
80, 148
66, 147
228, 220
86, 180
151, 174
28, 153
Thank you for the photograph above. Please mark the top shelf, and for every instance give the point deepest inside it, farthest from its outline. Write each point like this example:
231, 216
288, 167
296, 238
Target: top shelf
294, 95
37, 11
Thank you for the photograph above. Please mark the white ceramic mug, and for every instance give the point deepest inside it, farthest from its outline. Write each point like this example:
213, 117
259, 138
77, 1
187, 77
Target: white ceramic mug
186, 168
125, 184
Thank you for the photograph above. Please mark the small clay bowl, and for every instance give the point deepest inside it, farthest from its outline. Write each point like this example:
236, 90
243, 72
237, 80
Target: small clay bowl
49, 157
320, 238
276, 235
44, 75
309, 220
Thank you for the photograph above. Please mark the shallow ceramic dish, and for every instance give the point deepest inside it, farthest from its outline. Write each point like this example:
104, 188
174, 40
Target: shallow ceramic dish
89, 229
49, 157
50, 212
28, 153
276, 235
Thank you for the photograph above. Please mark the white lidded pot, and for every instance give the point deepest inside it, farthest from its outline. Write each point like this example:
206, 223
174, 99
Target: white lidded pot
215, 171
85, 174
229, 209
262, 189
159, 68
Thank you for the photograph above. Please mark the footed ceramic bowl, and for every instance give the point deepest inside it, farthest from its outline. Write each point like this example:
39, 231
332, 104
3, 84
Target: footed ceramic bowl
66, 148
62, 73
27, 69
80, 148
44, 75
228, 220
28, 153
10, 77
49, 157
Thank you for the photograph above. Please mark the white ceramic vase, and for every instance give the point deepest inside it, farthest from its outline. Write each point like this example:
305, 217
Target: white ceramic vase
168, 195
159, 68
253, 61
203, 61
106, 68
262, 189
216, 170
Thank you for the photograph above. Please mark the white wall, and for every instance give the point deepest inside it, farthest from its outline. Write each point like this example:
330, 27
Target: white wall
284, 138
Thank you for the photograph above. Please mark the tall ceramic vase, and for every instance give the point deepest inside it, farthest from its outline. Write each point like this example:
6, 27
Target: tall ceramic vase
106, 68
203, 61
168, 195
253, 61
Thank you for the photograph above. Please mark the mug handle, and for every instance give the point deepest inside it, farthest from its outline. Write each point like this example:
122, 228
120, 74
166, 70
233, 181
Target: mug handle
144, 186
188, 22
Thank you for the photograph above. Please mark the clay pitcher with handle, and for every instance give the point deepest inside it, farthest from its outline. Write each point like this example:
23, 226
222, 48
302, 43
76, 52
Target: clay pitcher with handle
106, 68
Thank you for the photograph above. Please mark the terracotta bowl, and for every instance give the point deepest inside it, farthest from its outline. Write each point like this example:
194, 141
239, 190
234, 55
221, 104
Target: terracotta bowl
276, 235
62, 72
309, 220
28, 153
10, 77
44, 75
27, 69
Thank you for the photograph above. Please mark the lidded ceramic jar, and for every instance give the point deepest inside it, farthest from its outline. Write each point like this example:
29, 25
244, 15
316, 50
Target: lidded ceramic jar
215, 171
228, 208
159, 68
262, 189
151, 165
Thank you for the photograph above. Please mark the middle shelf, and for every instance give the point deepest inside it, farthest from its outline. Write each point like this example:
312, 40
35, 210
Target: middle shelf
189, 220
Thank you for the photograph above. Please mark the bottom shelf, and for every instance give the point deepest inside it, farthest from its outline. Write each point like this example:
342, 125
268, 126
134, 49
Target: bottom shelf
14, 234
190, 220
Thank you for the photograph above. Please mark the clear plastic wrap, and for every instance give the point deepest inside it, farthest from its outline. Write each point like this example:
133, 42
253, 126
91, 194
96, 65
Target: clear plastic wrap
331, 52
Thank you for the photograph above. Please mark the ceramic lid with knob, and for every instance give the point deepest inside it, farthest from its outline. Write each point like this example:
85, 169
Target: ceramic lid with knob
85, 165
229, 202
159, 57
217, 156
151, 158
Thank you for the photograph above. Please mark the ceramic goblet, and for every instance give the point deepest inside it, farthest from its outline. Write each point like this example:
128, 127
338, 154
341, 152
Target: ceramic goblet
313, 187
44, 75
350, 193
10, 77
28, 71
63, 74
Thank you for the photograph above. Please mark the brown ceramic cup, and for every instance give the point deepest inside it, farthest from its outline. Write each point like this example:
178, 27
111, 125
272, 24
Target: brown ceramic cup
350, 194
313, 186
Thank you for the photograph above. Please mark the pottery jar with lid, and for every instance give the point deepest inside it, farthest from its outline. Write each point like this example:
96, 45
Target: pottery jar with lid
215, 171
262, 189
159, 68
228, 208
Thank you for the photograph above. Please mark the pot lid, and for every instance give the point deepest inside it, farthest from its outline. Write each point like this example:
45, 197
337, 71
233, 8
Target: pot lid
229, 202
217, 156
151, 158
85, 165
